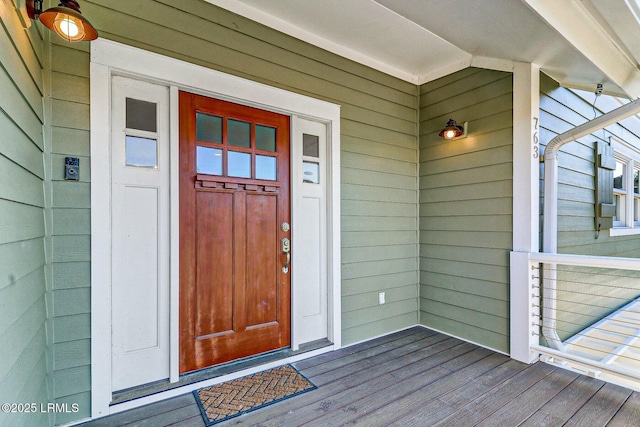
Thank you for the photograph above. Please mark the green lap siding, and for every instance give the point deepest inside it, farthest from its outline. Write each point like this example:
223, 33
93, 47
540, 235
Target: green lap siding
466, 206
23, 292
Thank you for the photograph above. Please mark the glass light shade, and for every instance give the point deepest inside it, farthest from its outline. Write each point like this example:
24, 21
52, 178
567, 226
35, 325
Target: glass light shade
452, 130
68, 24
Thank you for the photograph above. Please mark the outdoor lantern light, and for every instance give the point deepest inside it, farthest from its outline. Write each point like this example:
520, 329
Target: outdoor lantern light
65, 19
453, 130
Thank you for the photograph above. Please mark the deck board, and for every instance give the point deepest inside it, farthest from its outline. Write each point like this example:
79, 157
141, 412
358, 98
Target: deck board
419, 377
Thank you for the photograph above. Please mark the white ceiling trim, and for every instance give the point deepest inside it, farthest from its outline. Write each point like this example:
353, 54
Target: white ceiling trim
579, 28
257, 15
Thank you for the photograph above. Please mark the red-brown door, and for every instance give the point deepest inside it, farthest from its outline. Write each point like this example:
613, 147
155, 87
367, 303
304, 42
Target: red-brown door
234, 198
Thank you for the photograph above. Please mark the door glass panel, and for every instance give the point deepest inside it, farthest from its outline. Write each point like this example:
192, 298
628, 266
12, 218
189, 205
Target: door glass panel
141, 115
239, 164
141, 152
310, 145
239, 133
311, 172
208, 160
265, 138
208, 128
265, 167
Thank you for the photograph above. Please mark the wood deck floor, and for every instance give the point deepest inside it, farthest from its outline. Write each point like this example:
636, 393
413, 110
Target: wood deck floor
418, 377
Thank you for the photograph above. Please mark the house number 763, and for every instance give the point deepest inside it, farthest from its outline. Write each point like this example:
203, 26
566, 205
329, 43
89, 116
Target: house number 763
536, 140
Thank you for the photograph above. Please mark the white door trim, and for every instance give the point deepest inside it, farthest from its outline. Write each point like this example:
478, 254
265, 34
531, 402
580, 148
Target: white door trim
109, 58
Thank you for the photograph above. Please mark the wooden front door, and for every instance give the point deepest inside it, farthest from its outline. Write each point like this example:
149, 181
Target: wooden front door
234, 199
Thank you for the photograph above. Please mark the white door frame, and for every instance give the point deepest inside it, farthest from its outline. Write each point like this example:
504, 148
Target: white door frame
109, 58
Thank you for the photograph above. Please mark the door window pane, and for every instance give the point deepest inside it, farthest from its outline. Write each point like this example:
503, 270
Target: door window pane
208, 128
618, 176
141, 115
266, 167
141, 152
310, 145
208, 160
311, 172
239, 164
239, 133
265, 138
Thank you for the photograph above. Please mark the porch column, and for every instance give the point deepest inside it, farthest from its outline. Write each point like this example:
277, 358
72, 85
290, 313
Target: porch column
526, 213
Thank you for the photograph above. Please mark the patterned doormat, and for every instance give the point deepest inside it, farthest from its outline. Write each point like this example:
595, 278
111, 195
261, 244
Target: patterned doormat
236, 397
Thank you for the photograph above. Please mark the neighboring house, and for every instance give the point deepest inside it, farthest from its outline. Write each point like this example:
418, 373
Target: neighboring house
397, 227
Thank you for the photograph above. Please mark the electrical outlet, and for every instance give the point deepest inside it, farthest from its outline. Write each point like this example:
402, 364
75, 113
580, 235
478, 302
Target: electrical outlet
381, 298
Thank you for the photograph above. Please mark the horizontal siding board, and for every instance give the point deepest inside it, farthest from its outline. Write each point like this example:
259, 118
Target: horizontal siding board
71, 354
375, 268
15, 106
70, 141
351, 128
23, 293
449, 79
19, 148
377, 194
378, 253
21, 63
377, 238
462, 85
83, 400
466, 300
498, 223
488, 256
377, 223
71, 248
359, 207
484, 288
379, 327
29, 326
71, 381
469, 332
30, 191
71, 222
68, 275
18, 259
467, 316
71, 328
377, 179
70, 194
469, 161
496, 172
392, 295
368, 315
69, 87
470, 239
378, 164
478, 191
70, 60
470, 270
463, 207
20, 222
378, 149
69, 114
69, 302
362, 285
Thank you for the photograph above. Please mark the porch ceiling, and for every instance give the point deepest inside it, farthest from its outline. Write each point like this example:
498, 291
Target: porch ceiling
580, 43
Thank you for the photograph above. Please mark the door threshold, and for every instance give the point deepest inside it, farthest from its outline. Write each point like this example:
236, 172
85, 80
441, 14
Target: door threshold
133, 393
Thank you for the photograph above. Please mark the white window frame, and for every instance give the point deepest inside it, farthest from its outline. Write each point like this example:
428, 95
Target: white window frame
630, 157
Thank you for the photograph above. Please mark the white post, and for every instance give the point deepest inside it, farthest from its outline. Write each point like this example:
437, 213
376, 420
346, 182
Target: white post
526, 211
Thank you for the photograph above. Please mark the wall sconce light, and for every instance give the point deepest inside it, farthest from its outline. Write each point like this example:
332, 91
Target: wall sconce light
453, 130
66, 20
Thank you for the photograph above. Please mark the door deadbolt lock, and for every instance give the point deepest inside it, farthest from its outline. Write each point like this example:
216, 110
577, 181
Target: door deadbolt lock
285, 226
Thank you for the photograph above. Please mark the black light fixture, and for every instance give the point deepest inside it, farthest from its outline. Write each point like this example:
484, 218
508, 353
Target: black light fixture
453, 130
66, 20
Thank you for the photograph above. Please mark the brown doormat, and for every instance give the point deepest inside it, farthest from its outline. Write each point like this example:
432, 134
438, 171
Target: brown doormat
236, 397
